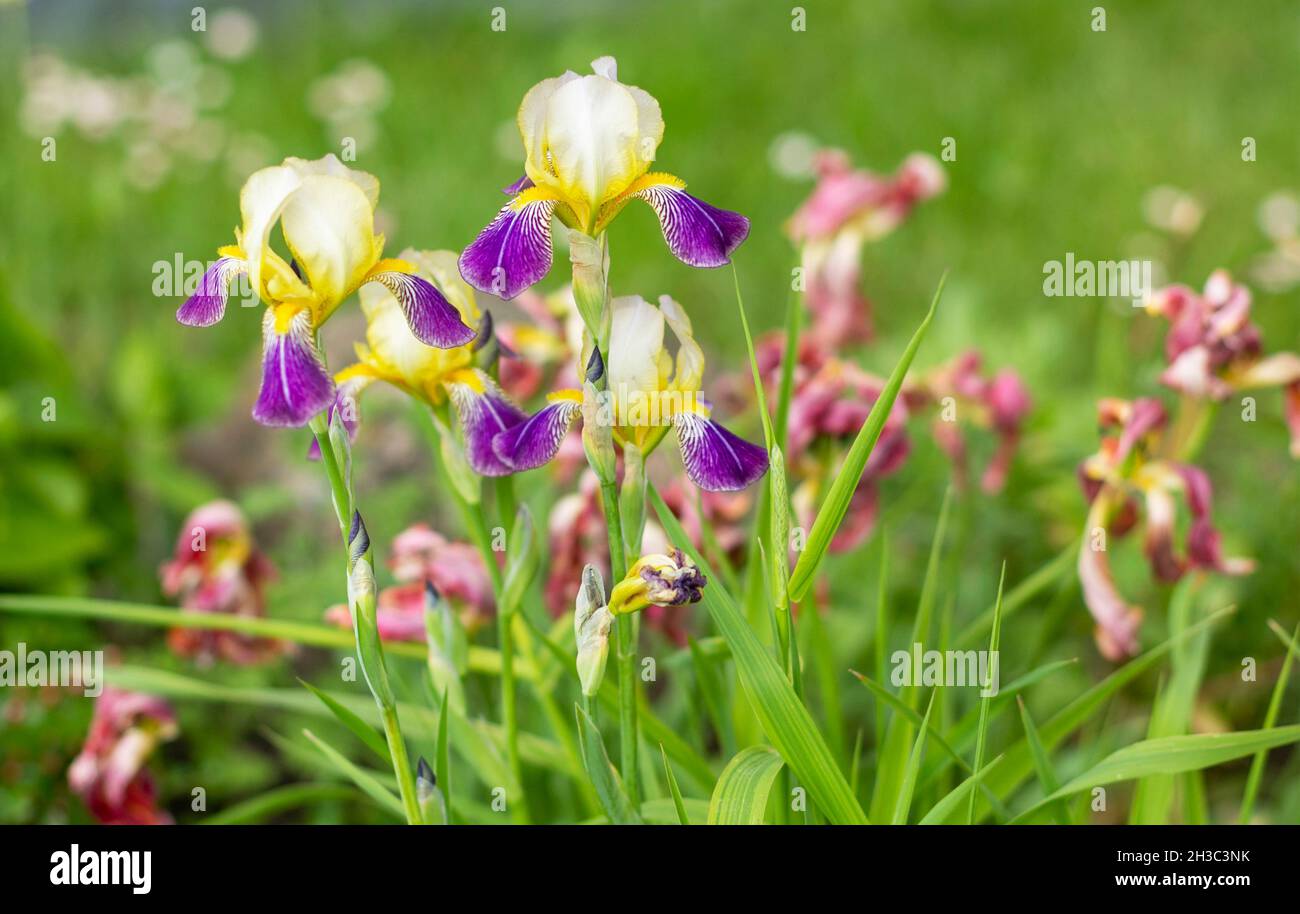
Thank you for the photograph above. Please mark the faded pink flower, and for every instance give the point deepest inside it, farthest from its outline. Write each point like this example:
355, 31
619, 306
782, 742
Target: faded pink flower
965, 396
217, 568
109, 772
418, 556
1213, 350
847, 209
1127, 471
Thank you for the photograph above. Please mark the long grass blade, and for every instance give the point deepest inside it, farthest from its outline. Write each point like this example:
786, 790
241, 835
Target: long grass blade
985, 695
1270, 719
832, 511
678, 803
904, 805
359, 776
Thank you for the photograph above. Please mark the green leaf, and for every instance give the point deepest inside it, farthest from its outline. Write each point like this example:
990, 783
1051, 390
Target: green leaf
741, 795
904, 805
442, 751
1172, 755
1046, 774
708, 676
609, 787
948, 805
985, 698
366, 733
783, 716
891, 755
1020, 595
836, 505
522, 560
481, 660
1017, 763
680, 806
359, 776
1270, 718
276, 800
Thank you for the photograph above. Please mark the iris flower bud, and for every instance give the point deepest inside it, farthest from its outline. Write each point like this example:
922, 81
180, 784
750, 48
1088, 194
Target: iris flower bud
591, 625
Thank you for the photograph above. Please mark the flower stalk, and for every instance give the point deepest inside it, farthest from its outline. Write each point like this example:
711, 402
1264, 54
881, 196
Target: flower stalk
336, 458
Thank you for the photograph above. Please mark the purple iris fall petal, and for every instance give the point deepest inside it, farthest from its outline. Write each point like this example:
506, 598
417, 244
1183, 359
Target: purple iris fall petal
698, 234
484, 413
513, 252
434, 320
295, 384
714, 458
208, 303
537, 439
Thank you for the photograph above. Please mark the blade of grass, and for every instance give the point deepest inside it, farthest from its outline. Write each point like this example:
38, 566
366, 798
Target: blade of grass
904, 804
743, 789
836, 505
1046, 774
359, 776
891, 755
783, 716
1172, 755
1016, 763
363, 731
442, 752
948, 805
1270, 719
1020, 595
277, 800
678, 804
985, 694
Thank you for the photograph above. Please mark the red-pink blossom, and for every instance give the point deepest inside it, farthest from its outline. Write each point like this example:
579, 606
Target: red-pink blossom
109, 773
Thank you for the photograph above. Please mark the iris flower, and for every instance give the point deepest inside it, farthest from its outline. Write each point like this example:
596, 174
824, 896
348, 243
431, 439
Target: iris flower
109, 773
326, 213
646, 394
1214, 350
1128, 468
393, 354
589, 142
217, 568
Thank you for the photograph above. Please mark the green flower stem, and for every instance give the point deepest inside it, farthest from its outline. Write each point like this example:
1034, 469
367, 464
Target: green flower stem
478, 532
343, 509
626, 628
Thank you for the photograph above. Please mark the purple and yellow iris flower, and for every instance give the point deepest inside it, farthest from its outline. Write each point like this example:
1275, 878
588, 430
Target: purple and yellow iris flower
393, 354
589, 142
326, 213
647, 393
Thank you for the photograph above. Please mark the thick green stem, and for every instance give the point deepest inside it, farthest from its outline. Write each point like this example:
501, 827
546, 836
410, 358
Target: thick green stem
343, 508
626, 654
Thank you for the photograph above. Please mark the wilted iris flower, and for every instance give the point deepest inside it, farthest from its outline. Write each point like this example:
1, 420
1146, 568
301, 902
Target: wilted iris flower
109, 773
326, 212
1213, 350
659, 579
963, 395
831, 398
589, 142
393, 354
647, 392
1129, 471
419, 556
217, 568
847, 209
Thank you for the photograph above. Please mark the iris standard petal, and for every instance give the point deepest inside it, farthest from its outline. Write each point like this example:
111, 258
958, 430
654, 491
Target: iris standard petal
328, 224
514, 251
698, 234
208, 303
636, 345
485, 412
716, 459
434, 320
295, 384
591, 136
537, 439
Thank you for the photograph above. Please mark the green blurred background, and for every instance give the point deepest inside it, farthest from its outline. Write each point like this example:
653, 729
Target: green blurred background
1061, 133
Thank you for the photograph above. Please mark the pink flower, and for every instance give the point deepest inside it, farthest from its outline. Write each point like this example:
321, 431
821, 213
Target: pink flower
576, 530
963, 395
846, 210
830, 401
109, 773
217, 568
420, 556
1129, 470
1213, 350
